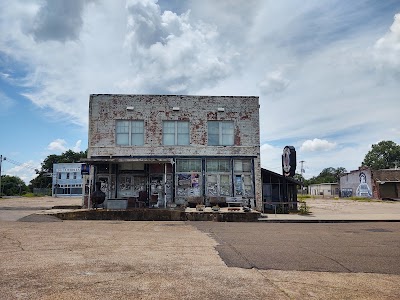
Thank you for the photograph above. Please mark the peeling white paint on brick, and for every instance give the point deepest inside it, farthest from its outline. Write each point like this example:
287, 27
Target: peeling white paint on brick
105, 109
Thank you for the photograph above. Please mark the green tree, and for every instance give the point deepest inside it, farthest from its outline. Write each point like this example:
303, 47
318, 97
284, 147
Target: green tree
327, 175
12, 185
298, 177
43, 180
384, 155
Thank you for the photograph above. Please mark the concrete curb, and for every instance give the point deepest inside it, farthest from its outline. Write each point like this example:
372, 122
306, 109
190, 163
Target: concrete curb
324, 221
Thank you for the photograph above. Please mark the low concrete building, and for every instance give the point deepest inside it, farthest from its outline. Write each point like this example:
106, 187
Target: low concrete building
324, 189
279, 192
169, 150
67, 180
379, 184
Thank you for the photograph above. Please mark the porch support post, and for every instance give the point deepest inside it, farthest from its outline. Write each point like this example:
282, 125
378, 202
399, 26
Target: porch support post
165, 185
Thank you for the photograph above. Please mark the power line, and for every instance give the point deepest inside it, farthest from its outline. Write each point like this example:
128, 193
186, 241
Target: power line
23, 165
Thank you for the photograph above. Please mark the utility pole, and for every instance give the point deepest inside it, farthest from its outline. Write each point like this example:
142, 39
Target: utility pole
1, 160
302, 178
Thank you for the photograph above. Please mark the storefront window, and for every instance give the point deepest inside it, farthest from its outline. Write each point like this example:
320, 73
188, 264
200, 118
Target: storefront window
188, 179
243, 178
218, 177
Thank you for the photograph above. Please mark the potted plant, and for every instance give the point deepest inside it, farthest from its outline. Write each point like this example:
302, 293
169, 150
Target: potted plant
215, 208
200, 207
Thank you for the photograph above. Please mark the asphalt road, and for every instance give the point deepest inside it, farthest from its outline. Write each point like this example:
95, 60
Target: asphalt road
341, 247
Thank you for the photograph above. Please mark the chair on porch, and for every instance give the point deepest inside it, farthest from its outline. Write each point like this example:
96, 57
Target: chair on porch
132, 202
143, 198
153, 200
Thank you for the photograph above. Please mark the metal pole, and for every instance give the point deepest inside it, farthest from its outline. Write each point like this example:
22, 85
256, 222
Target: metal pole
90, 185
165, 185
302, 178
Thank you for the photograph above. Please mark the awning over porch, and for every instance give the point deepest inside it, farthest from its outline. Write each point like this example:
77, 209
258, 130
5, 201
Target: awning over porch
103, 160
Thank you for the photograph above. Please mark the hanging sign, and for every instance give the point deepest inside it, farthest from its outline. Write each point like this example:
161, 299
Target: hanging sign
289, 161
85, 169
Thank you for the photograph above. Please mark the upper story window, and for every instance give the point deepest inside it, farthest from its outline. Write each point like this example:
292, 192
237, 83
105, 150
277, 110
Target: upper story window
220, 133
176, 133
130, 133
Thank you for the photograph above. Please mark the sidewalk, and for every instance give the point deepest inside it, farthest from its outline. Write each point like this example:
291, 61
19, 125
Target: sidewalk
321, 210
342, 210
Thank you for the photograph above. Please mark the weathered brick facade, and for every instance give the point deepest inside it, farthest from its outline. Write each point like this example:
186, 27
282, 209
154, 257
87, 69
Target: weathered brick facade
240, 112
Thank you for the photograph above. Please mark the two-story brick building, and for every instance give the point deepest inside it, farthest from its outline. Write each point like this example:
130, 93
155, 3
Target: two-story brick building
171, 149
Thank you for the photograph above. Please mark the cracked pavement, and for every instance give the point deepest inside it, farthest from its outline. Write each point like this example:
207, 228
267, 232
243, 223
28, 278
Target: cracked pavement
44, 259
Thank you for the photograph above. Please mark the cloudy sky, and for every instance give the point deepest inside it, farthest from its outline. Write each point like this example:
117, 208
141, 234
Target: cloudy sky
327, 72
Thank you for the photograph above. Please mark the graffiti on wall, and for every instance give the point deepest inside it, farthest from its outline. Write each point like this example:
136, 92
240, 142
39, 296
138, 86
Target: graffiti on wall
346, 192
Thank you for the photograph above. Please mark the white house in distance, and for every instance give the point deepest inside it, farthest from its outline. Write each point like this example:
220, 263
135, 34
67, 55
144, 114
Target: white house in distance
324, 189
67, 180
172, 149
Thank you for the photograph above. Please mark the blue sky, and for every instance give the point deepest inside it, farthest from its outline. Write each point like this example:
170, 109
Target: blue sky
327, 72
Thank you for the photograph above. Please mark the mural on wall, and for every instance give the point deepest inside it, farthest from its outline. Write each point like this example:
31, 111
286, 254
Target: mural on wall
363, 189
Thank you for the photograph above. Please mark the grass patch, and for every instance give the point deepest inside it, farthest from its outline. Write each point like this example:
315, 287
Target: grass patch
32, 195
360, 199
301, 197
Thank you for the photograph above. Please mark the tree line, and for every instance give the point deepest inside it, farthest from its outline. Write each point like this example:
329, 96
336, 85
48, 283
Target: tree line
383, 155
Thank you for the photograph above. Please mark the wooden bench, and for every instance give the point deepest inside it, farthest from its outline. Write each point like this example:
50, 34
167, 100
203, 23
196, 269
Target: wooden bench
236, 201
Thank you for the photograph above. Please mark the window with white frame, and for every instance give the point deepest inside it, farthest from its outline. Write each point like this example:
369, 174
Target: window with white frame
176, 133
130, 133
220, 133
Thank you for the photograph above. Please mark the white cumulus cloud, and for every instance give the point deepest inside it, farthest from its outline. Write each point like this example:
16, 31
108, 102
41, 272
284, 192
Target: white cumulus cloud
387, 48
25, 171
57, 145
171, 53
317, 145
60, 145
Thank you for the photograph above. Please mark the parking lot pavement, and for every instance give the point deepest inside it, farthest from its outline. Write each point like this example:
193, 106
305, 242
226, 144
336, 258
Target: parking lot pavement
13, 209
169, 260
339, 247
153, 260
330, 209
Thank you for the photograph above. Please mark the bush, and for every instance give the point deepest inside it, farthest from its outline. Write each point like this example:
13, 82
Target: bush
304, 209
